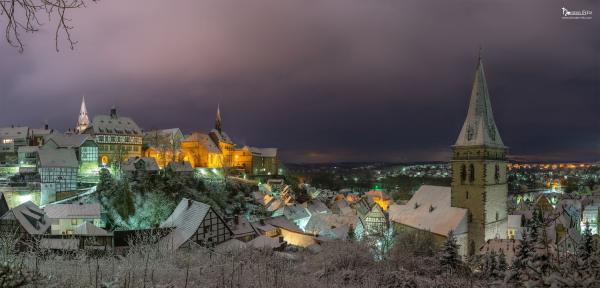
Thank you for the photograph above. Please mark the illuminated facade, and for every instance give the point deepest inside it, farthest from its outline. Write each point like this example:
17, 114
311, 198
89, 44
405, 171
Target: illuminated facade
11, 138
85, 147
118, 138
479, 169
163, 145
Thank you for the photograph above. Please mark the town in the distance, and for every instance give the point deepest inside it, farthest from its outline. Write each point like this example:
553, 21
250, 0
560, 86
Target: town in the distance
108, 180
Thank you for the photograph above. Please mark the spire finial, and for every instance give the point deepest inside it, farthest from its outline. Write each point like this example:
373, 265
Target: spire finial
480, 52
218, 118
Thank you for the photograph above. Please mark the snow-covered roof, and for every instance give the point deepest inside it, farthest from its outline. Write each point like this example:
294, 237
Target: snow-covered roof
221, 136
331, 225
295, 212
186, 219
283, 223
204, 140
61, 157
264, 152
89, 229
429, 209
264, 242
115, 125
316, 206
30, 216
479, 127
148, 164
72, 211
14, 132
68, 140
242, 228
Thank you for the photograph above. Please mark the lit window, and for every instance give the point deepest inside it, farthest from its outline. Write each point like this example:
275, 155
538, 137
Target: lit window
7, 141
73, 221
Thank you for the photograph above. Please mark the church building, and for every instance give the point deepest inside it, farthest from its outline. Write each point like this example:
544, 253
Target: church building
475, 206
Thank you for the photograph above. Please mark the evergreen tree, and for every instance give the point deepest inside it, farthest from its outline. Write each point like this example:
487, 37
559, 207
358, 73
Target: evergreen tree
449, 258
523, 255
106, 184
124, 204
351, 237
502, 265
586, 247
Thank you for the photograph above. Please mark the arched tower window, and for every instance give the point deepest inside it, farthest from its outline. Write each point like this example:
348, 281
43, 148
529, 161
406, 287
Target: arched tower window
463, 173
471, 173
497, 173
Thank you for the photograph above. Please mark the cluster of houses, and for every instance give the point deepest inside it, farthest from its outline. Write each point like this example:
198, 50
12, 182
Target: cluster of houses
60, 163
286, 223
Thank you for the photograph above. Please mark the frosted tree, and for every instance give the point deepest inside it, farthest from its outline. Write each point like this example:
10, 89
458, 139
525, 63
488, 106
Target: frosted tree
523, 255
586, 247
502, 264
449, 258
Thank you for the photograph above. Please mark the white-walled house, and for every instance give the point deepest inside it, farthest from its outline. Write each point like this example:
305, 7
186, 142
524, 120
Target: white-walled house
65, 218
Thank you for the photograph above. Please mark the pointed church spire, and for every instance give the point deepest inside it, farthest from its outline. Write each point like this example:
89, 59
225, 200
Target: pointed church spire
83, 122
218, 118
479, 127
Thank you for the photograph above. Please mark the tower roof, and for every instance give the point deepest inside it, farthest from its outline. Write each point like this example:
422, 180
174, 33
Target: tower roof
218, 119
83, 122
479, 127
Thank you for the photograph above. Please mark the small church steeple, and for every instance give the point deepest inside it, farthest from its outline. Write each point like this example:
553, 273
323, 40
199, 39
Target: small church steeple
218, 119
83, 122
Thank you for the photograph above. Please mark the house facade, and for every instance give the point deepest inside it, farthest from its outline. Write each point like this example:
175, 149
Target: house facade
118, 138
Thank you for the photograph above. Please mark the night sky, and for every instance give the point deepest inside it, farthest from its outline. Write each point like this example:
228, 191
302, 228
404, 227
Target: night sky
326, 80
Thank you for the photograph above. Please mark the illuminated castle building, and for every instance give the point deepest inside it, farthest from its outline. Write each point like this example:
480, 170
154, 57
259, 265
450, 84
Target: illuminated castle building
217, 150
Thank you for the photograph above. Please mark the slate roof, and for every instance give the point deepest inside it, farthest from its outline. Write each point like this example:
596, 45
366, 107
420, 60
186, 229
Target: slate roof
89, 229
204, 140
264, 242
105, 124
149, 164
14, 132
186, 219
61, 157
429, 209
30, 216
221, 136
68, 140
72, 211
479, 127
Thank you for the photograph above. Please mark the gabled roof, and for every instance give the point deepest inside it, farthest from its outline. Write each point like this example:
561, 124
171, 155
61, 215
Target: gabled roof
68, 140
429, 209
186, 219
479, 127
72, 211
221, 136
116, 125
30, 216
89, 229
61, 157
204, 140
149, 164
14, 132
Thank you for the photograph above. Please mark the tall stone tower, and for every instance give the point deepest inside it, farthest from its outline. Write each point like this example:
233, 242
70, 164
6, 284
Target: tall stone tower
83, 122
479, 169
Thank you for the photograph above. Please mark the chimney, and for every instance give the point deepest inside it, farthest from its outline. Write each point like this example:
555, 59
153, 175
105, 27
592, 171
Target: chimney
46, 126
189, 202
113, 112
236, 219
262, 221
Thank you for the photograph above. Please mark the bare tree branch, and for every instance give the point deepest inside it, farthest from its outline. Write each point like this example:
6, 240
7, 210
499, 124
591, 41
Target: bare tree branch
22, 16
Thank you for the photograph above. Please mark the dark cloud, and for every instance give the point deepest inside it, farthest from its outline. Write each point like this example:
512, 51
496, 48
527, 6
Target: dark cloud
327, 80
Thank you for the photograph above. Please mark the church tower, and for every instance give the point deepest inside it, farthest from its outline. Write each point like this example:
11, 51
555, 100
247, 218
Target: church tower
83, 122
479, 169
218, 119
